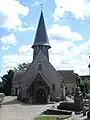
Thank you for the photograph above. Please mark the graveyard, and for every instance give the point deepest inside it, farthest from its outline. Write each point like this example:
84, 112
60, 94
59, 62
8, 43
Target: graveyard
39, 90
75, 107
68, 109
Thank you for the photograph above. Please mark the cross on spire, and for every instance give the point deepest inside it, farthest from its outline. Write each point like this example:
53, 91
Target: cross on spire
41, 6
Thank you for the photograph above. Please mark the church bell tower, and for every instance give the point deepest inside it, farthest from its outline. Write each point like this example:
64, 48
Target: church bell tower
41, 42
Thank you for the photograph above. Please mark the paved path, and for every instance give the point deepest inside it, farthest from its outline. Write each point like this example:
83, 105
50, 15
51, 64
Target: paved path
12, 109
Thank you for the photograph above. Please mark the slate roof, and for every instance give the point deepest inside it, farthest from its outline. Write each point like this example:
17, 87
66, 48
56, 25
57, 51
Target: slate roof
68, 76
41, 37
17, 76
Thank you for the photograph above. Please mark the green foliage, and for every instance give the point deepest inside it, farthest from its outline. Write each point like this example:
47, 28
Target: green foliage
78, 79
21, 67
6, 84
84, 85
0, 84
88, 84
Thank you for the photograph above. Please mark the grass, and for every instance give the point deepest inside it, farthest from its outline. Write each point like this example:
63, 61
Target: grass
45, 118
51, 117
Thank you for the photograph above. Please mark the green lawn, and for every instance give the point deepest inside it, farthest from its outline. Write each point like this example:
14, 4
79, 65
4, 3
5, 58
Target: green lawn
45, 118
51, 117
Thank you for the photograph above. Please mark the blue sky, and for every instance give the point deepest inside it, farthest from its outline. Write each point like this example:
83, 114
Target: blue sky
67, 23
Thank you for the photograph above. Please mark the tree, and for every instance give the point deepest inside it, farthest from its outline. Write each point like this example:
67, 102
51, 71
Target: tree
84, 85
88, 84
78, 79
22, 67
7, 82
0, 84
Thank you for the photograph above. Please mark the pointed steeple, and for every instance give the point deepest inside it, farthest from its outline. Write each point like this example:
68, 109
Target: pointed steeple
41, 37
41, 42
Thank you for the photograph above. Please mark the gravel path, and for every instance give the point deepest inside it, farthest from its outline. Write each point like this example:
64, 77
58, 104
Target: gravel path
12, 109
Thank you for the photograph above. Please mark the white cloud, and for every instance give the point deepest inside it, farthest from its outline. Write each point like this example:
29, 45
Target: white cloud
9, 40
64, 55
24, 55
36, 3
9, 63
63, 31
21, 29
79, 8
3, 47
10, 11
59, 47
25, 50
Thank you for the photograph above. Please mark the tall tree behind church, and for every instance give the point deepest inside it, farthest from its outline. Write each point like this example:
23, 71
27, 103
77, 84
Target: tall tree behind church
7, 83
21, 67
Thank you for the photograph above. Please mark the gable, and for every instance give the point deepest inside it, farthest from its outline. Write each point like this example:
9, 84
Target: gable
48, 71
40, 78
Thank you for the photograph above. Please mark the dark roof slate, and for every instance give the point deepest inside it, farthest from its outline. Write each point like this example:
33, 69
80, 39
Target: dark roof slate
68, 76
41, 37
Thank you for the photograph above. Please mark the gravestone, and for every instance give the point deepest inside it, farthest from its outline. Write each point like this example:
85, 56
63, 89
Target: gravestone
72, 93
78, 100
73, 116
57, 118
63, 94
88, 113
48, 99
84, 111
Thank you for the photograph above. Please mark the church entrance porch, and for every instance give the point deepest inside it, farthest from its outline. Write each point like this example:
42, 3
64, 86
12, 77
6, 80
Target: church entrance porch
39, 90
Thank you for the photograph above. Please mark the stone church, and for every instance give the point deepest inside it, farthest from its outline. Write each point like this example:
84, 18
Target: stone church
40, 80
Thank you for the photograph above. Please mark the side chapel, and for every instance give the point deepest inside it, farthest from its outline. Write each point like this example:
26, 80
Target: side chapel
40, 80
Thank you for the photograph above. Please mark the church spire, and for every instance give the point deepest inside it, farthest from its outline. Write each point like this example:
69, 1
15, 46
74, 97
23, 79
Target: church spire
41, 42
41, 37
